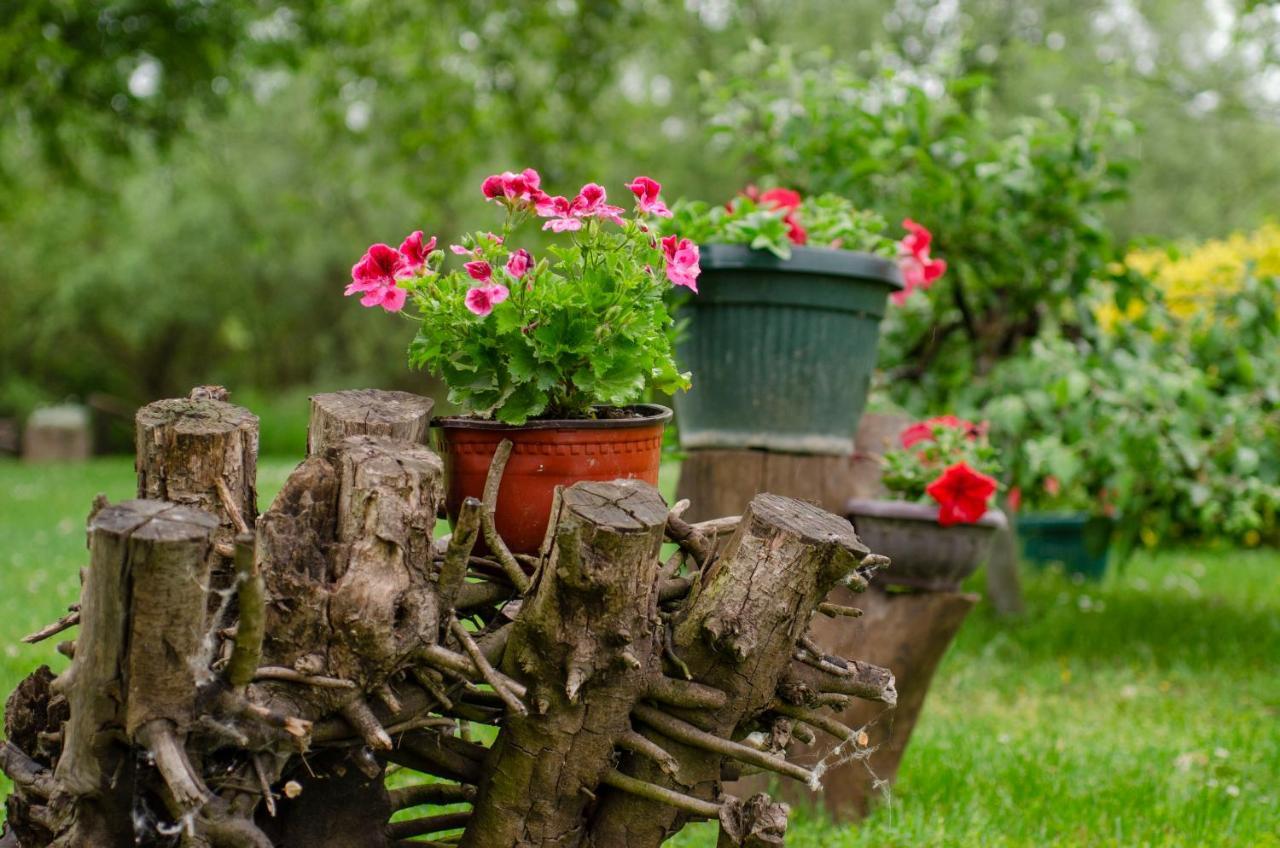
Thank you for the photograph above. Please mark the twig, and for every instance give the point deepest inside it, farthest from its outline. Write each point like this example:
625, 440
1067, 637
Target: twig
453, 571
685, 693
652, 791
447, 660
229, 504
362, 719
492, 483
637, 743
160, 738
838, 611
682, 731
267, 797
428, 825
827, 724
669, 650
68, 621
237, 705
482, 665
690, 540
431, 793
246, 651
288, 675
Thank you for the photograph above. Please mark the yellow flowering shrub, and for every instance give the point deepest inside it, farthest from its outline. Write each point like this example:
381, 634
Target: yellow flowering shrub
1192, 280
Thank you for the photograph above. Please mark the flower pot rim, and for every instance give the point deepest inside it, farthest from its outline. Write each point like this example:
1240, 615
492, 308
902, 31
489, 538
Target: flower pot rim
1060, 518
652, 413
992, 519
829, 261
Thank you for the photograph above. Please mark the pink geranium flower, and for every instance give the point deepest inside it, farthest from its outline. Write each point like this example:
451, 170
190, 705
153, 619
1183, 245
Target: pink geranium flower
479, 270
682, 262
647, 201
374, 276
512, 187
590, 203
560, 211
518, 263
779, 198
919, 270
415, 252
482, 299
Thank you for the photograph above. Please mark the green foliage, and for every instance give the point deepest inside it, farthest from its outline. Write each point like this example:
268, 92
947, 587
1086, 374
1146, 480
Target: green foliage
1174, 425
827, 220
587, 327
929, 448
1016, 209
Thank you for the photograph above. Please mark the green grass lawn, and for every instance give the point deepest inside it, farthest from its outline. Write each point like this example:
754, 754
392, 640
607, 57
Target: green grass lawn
1144, 710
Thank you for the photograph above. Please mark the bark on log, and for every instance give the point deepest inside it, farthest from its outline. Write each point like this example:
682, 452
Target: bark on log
367, 412
594, 604
174, 727
203, 453
737, 634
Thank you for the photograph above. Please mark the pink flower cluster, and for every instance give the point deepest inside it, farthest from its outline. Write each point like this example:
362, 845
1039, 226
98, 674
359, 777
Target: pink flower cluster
922, 431
378, 273
785, 199
919, 271
380, 269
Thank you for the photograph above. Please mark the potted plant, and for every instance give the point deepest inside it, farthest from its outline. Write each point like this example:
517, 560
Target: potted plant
783, 334
939, 524
552, 352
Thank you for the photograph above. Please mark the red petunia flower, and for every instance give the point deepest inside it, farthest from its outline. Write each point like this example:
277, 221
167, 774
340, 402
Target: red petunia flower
962, 494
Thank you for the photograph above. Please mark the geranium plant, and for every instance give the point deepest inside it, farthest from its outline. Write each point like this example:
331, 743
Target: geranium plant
517, 336
779, 218
948, 461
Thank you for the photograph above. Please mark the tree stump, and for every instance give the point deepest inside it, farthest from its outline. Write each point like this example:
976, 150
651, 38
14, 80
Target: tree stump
367, 412
624, 690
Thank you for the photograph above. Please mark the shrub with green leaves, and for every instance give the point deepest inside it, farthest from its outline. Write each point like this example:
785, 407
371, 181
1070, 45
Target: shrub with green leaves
517, 337
776, 219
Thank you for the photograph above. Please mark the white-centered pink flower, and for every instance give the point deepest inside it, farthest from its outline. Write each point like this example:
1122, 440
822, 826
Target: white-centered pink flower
647, 201
415, 252
518, 263
482, 299
682, 262
375, 275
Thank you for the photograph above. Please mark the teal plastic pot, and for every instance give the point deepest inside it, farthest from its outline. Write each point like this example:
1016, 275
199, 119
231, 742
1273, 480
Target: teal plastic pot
781, 350
1079, 541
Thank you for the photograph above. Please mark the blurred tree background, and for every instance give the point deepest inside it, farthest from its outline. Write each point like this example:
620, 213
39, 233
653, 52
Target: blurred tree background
184, 184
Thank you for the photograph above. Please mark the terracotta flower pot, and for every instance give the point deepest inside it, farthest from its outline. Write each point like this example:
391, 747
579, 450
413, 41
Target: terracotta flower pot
546, 454
925, 554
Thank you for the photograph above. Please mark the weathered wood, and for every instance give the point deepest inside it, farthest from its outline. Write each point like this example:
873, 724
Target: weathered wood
352, 640
367, 412
593, 601
58, 434
200, 452
737, 634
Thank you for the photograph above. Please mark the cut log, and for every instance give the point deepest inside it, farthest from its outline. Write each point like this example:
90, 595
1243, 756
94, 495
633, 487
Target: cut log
367, 412
737, 634
203, 453
594, 600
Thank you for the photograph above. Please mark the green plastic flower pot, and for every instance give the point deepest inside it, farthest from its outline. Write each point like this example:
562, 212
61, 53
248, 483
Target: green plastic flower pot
1079, 541
782, 350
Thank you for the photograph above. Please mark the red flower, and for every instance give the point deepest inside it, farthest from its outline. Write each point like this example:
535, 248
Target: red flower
795, 232
919, 270
1052, 486
962, 494
1015, 498
414, 251
918, 432
780, 198
922, 431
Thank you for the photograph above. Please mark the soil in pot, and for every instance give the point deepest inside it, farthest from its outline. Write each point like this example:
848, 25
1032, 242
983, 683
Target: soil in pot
620, 444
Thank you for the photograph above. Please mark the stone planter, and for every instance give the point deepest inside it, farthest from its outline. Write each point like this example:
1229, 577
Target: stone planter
925, 554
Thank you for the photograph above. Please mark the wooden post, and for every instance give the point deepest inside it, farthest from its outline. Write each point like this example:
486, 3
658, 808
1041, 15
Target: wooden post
367, 412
